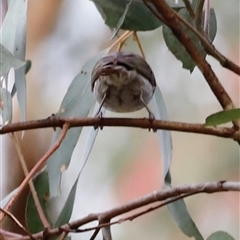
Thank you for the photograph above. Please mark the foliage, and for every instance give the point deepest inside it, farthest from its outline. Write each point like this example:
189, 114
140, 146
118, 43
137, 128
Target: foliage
188, 37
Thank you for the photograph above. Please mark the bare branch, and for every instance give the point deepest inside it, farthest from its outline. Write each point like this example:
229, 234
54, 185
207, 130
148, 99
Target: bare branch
31, 185
144, 123
189, 8
163, 195
15, 220
35, 169
199, 10
172, 20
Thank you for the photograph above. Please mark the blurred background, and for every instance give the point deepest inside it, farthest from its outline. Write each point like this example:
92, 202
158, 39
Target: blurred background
61, 36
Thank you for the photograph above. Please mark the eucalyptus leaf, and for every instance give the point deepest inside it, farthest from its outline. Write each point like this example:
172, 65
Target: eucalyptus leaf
66, 211
8, 61
5, 106
76, 103
223, 117
13, 17
137, 18
89, 141
165, 139
33, 220
178, 50
179, 212
20, 52
121, 20
220, 235
177, 209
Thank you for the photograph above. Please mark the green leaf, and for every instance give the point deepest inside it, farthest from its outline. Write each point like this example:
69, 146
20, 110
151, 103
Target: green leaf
10, 23
20, 52
14, 39
220, 235
223, 117
164, 137
66, 212
33, 220
138, 16
178, 50
89, 141
8, 61
121, 20
212, 25
76, 103
5, 106
177, 209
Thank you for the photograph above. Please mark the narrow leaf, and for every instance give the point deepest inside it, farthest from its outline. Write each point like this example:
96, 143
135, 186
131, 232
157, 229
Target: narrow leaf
8, 61
121, 20
5, 106
68, 207
66, 212
223, 117
178, 50
220, 235
33, 220
165, 139
76, 103
20, 52
10, 23
138, 16
177, 209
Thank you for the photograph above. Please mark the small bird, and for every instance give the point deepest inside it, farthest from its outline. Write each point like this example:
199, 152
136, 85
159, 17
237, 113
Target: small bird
123, 82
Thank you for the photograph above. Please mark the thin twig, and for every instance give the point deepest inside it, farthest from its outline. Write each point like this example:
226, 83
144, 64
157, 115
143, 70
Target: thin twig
9, 235
209, 48
172, 20
166, 194
136, 215
122, 38
31, 185
15, 220
189, 8
135, 36
35, 169
199, 10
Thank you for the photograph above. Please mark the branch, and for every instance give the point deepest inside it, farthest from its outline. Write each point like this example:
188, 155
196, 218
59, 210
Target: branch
199, 10
189, 8
172, 20
166, 194
31, 184
144, 123
34, 170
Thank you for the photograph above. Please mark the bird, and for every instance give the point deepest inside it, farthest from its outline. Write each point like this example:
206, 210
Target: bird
123, 82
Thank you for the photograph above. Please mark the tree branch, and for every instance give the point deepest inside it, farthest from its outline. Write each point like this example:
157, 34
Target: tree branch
172, 20
166, 194
34, 170
144, 123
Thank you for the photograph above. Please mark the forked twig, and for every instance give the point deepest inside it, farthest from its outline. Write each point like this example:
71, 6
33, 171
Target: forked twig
35, 169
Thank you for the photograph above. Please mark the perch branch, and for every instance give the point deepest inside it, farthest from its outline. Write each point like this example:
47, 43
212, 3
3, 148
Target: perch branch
144, 123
